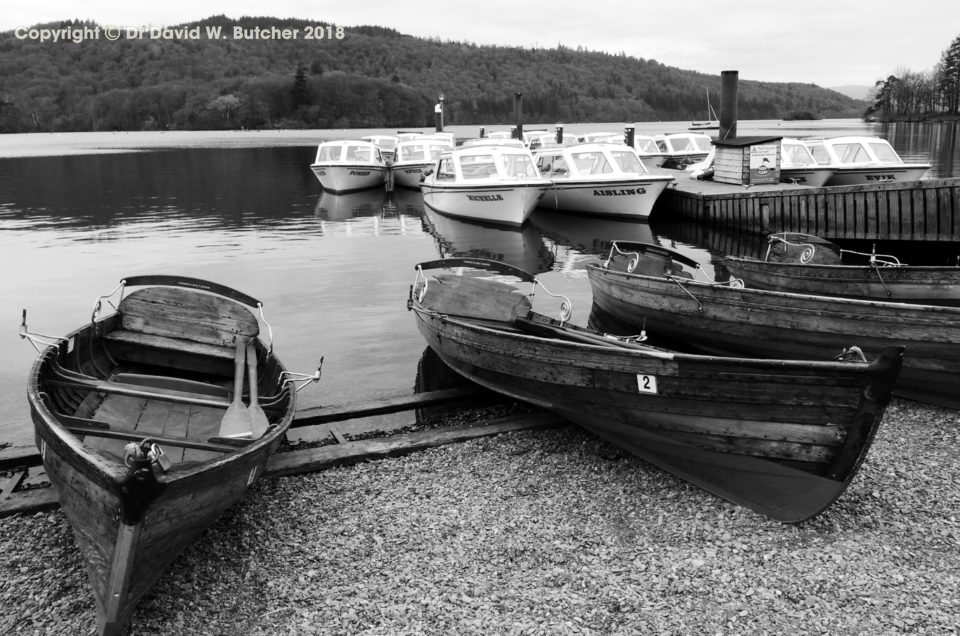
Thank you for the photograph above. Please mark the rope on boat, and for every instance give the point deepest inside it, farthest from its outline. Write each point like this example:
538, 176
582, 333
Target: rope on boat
806, 255
146, 453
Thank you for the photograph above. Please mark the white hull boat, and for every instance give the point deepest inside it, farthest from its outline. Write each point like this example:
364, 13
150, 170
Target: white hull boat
347, 166
859, 160
491, 183
600, 179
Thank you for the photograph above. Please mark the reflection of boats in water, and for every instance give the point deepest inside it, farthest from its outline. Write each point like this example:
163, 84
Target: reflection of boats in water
590, 234
341, 207
520, 247
407, 201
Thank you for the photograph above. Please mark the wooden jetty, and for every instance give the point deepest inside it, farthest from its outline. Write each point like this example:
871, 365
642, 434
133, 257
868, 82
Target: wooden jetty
26, 489
900, 211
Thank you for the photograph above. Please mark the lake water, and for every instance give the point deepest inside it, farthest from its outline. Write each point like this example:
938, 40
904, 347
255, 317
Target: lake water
78, 212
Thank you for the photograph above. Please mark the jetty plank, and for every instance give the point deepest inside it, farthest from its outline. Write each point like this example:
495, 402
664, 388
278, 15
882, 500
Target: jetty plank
894, 210
314, 459
337, 413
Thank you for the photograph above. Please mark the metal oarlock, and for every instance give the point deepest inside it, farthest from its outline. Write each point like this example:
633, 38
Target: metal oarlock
269, 328
38, 339
98, 303
302, 378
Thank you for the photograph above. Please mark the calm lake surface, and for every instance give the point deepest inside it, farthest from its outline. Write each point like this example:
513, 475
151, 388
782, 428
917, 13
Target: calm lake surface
78, 212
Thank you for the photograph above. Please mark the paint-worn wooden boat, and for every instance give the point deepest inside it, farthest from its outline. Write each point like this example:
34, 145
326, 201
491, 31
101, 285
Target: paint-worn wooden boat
783, 438
128, 413
655, 286
801, 263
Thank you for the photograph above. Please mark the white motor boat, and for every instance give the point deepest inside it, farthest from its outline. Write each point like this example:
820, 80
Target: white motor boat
349, 165
682, 149
489, 183
648, 151
602, 178
386, 143
798, 166
414, 156
857, 160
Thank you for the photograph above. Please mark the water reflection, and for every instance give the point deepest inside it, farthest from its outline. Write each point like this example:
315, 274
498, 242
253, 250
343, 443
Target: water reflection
934, 142
520, 247
342, 207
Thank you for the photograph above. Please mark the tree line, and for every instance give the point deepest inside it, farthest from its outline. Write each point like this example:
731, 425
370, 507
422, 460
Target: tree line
373, 77
921, 95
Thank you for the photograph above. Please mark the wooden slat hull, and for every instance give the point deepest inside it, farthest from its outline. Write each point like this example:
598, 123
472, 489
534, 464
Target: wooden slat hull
762, 323
131, 525
925, 285
781, 438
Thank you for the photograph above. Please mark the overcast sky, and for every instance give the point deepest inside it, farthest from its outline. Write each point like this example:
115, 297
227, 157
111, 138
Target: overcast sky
829, 43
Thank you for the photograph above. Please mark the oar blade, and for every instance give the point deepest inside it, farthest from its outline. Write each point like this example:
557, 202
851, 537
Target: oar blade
236, 420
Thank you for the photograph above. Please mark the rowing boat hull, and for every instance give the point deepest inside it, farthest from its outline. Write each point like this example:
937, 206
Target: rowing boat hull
131, 523
781, 438
732, 321
925, 285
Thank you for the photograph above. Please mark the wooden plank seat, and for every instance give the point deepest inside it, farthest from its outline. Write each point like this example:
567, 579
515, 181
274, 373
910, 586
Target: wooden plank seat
181, 328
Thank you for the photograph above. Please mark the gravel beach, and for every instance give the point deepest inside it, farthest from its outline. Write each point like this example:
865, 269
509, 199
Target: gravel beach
538, 532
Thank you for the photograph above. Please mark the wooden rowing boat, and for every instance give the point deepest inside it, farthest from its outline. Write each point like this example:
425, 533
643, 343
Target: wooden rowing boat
652, 285
127, 412
783, 438
807, 264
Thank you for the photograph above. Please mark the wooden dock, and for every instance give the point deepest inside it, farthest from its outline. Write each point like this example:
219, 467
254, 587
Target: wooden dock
893, 210
27, 490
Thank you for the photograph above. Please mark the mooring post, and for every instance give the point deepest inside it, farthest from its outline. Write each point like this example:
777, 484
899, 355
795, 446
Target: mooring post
728, 104
438, 114
518, 114
628, 135
559, 137
483, 132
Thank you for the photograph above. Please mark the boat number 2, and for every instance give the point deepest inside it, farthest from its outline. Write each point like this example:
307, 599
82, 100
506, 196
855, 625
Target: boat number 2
646, 383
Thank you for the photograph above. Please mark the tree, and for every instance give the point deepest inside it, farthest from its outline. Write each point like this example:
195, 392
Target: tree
301, 94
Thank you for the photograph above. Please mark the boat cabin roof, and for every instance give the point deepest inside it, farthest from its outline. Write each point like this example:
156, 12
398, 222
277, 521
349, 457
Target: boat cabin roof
349, 151
422, 149
486, 162
386, 142
589, 160
487, 141
853, 151
684, 142
794, 153
646, 145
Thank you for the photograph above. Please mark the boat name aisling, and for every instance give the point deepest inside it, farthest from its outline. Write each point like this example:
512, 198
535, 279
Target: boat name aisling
619, 193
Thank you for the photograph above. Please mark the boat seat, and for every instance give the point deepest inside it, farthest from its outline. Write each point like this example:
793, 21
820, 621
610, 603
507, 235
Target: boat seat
192, 326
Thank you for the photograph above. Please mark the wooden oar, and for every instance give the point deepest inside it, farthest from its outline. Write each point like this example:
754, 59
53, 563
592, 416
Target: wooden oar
258, 419
236, 421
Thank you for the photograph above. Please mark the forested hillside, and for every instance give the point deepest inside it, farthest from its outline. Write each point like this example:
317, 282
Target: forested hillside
371, 77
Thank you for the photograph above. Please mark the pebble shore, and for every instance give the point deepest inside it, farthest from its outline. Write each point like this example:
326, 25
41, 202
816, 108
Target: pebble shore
538, 532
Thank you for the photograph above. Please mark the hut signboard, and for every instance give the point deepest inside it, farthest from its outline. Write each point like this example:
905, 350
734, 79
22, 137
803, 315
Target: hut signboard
747, 160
